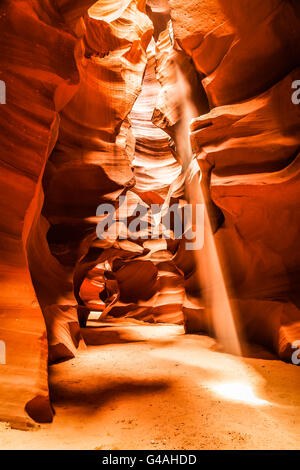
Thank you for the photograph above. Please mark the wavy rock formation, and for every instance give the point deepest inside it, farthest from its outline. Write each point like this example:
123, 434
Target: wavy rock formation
82, 171
149, 287
241, 50
247, 148
39, 83
155, 167
91, 162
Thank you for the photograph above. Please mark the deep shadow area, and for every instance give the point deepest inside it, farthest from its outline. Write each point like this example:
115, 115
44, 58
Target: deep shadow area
92, 397
97, 336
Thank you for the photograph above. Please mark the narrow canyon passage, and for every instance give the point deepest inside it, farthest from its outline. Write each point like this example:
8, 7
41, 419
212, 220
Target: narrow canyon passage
141, 386
115, 327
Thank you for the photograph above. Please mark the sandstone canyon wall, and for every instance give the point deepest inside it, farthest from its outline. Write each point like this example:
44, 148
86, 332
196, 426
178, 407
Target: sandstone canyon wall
39, 83
247, 147
46, 53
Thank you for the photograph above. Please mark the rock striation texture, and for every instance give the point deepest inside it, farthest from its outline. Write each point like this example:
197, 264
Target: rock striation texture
91, 162
247, 147
137, 277
39, 83
101, 62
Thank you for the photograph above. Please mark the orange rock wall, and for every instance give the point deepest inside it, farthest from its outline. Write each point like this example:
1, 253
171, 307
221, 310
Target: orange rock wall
248, 149
39, 83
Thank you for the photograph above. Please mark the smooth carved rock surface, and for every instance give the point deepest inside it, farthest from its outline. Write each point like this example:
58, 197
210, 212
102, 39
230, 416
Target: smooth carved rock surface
94, 151
39, 83
247, 147
241, 49
138, 278
253, 136
91, 161
155, 167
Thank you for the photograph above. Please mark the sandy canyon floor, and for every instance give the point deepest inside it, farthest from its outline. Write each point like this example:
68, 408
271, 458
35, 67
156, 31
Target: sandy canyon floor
141, 386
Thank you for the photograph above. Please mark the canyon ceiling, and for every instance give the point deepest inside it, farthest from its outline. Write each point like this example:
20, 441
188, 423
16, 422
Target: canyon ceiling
94, 113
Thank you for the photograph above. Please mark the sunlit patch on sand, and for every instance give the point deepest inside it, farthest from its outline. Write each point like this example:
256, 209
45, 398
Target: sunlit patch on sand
239, 392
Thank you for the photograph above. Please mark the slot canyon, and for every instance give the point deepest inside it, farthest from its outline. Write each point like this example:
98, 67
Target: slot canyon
128, 336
